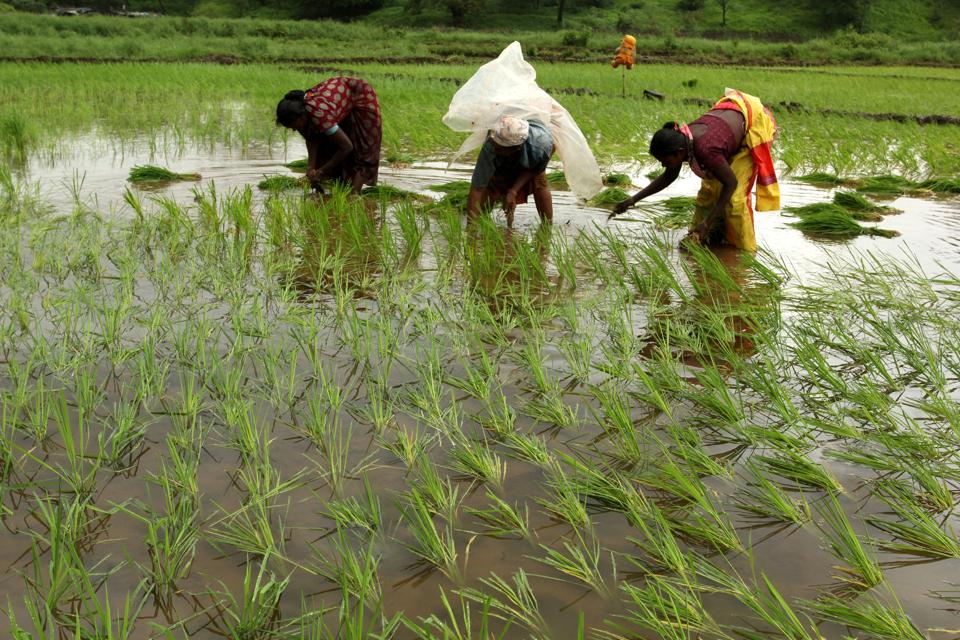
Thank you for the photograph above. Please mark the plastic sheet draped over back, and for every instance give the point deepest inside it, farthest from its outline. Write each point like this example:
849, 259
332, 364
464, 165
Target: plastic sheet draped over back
508, 86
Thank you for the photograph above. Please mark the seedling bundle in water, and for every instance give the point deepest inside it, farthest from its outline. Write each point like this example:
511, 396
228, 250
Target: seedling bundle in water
455, 193
609, 197
152, 173
833, 221
279, 183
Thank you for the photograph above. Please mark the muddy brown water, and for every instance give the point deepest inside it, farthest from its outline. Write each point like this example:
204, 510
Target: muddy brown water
794, 560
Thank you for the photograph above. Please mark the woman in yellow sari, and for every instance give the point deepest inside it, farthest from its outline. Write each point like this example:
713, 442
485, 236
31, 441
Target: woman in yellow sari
729, 148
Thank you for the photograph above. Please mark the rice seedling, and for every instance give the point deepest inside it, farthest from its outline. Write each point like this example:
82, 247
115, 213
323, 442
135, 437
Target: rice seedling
152, 173
355, 570
868, 614
661, 546
433, 544
256, 613
503, 520
513, 603
278, 183
763, 601
551, 410
799, 468
581, 561
673, 610
766, 499
171, 539
476, 460
297, 165
361, 513
913, 530
457, 624
862, 570
556, 178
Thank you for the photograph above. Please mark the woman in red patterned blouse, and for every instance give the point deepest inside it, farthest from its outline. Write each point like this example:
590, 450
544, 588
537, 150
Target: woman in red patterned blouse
340, 120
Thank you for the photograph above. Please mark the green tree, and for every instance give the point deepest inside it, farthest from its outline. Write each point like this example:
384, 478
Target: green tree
837, 14
459, 9
723, 7
335, 8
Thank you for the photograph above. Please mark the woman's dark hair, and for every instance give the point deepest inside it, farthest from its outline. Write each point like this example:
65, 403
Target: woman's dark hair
291, 108
667, 141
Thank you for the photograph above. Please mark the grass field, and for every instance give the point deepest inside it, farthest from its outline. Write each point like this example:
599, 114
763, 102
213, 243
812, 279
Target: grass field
832, 119
192, 39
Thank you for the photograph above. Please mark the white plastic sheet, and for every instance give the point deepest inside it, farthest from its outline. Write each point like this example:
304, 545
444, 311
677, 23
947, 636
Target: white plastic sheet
508, 86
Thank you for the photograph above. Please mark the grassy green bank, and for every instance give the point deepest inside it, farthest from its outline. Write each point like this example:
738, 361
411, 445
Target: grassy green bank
182, 38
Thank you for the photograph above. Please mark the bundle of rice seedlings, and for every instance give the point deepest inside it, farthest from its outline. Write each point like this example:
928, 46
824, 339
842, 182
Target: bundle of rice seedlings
886, 185
852, 201
823, 179
279, 183
386, 192
609, 197
616, 179
557, 178
680, 210
297, 165
456, 193
942, 185
399, 159
826, 219
151, 173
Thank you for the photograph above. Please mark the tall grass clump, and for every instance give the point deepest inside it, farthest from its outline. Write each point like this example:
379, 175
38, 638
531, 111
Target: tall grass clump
16, 135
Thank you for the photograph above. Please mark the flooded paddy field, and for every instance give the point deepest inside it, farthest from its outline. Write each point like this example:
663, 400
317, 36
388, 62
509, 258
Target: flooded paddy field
234, 413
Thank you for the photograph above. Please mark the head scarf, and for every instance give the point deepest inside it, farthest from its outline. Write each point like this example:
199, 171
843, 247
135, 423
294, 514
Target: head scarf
510, 131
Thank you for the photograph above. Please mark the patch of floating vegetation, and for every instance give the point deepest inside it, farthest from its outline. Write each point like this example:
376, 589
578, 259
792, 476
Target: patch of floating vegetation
609, 197
279, 183
152, 173
826, 219
297, 165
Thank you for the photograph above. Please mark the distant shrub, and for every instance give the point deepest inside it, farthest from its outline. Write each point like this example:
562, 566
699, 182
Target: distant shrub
690, 5
575, 38
6, 8
213, 9
32, 6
